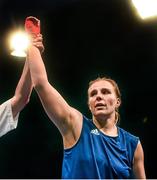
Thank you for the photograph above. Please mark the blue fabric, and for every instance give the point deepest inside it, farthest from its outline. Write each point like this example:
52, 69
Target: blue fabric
98, 156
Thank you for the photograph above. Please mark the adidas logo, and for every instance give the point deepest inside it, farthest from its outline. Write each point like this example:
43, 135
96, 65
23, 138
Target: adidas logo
95, 131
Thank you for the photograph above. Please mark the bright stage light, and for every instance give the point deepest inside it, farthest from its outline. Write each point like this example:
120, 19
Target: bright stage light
146, 8
19, 43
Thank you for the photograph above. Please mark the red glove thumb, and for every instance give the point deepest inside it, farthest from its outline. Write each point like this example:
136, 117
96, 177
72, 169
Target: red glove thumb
32, 25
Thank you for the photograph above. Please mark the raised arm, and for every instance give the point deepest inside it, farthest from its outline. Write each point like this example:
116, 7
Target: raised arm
22, 92
67, 119
9, 110
56, 107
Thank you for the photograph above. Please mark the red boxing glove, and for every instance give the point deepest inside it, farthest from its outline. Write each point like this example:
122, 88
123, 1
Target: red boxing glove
32, 25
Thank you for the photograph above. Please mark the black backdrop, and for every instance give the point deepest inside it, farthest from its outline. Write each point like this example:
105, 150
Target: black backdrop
83, 39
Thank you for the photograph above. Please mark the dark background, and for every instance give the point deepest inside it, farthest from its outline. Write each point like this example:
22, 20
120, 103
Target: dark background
83, 39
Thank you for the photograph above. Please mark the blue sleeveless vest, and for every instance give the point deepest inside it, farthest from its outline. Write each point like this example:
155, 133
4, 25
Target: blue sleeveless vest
98, 156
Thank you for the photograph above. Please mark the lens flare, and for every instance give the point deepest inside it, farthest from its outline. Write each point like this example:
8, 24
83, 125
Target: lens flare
19, 43
146, 8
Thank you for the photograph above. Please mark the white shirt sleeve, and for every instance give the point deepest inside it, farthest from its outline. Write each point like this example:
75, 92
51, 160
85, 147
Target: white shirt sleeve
7, 122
